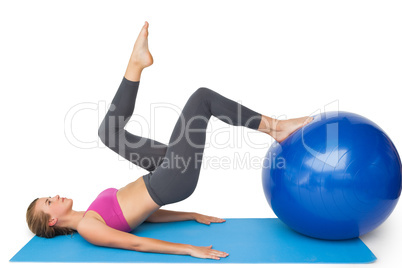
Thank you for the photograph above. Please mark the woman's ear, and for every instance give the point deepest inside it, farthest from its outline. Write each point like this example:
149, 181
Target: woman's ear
52, 222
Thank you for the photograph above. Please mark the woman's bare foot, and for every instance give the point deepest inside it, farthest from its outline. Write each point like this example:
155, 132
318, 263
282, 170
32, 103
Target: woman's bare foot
140, 57
281, 129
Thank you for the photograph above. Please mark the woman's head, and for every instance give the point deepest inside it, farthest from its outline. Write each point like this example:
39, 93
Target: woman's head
44, 216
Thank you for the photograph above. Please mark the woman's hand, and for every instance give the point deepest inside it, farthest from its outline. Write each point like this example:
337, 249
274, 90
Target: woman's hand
207, 253
206, 219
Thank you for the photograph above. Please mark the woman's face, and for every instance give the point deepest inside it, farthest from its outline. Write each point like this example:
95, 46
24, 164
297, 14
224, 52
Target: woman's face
56, 207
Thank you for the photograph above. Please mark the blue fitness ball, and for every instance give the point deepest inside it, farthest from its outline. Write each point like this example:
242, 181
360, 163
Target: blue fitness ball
339, 177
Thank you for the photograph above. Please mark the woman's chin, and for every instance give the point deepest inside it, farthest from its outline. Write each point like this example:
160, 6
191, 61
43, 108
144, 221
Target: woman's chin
69, 202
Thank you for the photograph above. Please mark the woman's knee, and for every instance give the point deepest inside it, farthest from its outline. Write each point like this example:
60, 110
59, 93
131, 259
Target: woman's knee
203, 92
102, 133
107, 133
203, 95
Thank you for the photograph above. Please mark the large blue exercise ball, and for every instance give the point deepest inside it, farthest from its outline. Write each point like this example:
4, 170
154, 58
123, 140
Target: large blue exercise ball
338, 177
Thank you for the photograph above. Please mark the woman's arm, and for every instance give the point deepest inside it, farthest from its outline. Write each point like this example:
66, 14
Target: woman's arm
100, 234
162, 215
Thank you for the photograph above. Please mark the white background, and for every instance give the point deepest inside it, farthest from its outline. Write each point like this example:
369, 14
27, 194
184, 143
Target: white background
280, 58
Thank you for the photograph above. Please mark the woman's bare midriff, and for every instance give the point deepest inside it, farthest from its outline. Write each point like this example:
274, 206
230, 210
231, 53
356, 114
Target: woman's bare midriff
136, 203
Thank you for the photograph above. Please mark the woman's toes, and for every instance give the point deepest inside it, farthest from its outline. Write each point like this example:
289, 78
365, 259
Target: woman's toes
144, 30
308, 120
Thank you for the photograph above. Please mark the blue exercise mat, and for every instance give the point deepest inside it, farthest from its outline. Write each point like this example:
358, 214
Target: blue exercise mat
246, 241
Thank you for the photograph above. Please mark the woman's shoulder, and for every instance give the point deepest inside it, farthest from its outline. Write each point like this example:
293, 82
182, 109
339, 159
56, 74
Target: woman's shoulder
88, 218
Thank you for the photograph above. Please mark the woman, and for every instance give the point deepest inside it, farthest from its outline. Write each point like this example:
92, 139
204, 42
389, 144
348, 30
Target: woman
114, 213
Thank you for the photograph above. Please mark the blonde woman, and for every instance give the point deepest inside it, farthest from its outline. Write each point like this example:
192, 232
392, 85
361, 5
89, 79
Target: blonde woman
116, 212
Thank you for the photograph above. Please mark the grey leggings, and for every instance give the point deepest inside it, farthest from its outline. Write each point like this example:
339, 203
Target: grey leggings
170, 180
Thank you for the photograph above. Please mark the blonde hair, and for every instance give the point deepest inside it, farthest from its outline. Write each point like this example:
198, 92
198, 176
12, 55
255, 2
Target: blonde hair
38, 223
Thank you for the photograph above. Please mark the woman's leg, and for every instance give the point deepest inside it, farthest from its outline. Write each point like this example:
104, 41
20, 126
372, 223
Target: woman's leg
144, 152
176, 177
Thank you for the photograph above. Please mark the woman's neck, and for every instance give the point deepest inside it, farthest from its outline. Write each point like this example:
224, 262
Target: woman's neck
72, 219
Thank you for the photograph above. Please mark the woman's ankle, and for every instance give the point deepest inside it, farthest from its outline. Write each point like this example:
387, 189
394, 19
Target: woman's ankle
267, 124
133, 72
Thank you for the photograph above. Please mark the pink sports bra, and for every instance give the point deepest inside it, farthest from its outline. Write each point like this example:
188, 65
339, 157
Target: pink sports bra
107, 206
